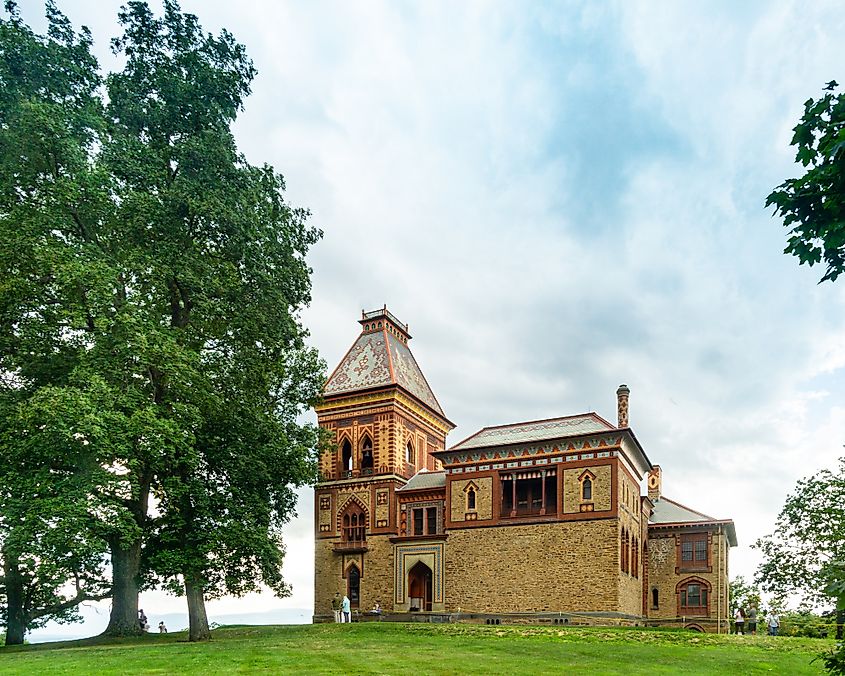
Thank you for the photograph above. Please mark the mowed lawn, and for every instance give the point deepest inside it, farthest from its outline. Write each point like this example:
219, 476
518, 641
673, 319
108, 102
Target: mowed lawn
422, 649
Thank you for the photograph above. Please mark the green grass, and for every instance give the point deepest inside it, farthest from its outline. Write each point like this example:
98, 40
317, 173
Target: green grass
421, 649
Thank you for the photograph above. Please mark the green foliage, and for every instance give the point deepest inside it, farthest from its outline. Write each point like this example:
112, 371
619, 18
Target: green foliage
151, 281
800, 556
813, 206
834, 660
745, 595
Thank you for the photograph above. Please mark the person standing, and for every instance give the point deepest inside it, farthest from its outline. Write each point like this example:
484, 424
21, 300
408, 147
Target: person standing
752, 620
161, 628
773, 622
739, 621
142, 620
336, 601
346, 609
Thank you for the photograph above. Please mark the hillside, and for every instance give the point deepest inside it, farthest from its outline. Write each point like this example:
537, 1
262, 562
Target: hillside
421, 649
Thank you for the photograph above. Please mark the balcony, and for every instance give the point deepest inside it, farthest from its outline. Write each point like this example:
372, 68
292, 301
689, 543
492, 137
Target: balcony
350, 546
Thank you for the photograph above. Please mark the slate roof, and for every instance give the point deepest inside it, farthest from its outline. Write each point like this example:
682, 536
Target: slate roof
539, 430
425, 480
669, 512
377, 359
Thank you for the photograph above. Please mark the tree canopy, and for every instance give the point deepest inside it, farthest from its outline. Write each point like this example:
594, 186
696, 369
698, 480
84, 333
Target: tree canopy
804, 552
155, 279
813, 205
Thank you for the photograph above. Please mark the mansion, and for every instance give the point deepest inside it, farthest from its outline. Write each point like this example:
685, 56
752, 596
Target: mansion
541, 522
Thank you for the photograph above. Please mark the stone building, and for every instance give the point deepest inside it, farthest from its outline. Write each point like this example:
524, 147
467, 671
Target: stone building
540, 521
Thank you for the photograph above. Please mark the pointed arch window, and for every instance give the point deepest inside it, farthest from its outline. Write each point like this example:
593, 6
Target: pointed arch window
471, 498
346, 456
367, 454
409, 453
354, 524
586, 480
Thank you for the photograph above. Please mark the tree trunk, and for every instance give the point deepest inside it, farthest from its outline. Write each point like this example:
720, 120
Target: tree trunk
197, 619
125, 564
15, 620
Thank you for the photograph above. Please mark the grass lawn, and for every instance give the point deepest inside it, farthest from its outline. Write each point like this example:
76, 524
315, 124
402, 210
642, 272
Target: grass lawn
422, 649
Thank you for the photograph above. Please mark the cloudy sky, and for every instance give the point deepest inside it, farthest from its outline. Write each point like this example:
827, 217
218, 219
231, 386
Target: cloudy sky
559, 198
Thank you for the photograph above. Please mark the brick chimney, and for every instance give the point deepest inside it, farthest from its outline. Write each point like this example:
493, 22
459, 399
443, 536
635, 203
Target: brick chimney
654, 483
622, 405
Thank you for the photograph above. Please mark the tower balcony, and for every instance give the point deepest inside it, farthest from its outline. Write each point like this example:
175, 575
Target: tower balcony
350, 546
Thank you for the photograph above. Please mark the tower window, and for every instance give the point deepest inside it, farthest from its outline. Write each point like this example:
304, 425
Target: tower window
409, 454
367, 453
470, 499
346, 456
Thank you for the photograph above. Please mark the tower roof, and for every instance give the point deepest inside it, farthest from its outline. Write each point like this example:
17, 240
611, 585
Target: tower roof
380, 357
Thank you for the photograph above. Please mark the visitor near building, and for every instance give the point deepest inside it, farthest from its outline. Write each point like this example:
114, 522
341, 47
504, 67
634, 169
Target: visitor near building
336, 601
739, 621
752, 620
346, 609
773, 622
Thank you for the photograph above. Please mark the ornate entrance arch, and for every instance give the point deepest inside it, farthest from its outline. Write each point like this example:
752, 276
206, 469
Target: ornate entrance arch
420, 584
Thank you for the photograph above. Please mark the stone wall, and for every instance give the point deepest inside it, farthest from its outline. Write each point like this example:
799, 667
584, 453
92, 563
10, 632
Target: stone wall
601, 501
558, 567
376, 565
662, 563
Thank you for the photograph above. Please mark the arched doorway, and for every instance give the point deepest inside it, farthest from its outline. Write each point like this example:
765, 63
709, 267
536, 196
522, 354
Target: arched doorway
419, 587
353, 586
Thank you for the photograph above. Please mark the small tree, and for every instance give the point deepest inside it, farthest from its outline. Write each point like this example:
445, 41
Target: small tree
799, 557
813, 206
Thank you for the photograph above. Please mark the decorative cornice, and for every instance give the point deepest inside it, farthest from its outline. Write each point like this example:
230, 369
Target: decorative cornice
391, 396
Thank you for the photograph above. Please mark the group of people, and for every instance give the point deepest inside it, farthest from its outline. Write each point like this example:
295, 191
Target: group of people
740, 617
342, 608
145, 625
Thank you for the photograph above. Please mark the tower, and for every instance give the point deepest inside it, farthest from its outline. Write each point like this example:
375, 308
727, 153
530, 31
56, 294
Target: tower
384, 423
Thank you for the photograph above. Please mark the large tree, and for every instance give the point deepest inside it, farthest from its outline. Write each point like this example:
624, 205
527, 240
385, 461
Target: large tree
813, 205
188, 276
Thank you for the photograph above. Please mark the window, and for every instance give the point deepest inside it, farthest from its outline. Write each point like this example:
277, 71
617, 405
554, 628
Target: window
654, 604
367, 453
425, 521
470, 499
354, 585
354, 524
587, 489
431, 520
409, 454
529, 494
623, 555
695, 553
693, 597
346, 456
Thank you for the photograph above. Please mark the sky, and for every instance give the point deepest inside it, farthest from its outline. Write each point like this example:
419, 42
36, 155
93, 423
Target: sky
557, 197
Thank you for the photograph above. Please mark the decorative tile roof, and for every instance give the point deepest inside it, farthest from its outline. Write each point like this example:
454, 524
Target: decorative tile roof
425, 480
540, 430
379, 358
